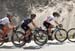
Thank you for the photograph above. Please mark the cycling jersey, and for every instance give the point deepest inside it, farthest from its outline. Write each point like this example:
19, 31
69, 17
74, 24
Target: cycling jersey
4, 20
27, 20
25, 23
49, 19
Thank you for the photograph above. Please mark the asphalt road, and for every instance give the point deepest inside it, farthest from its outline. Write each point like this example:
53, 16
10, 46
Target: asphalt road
50, 46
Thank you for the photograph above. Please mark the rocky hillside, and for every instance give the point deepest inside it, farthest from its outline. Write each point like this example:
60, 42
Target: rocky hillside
66, 9
19, 7
42, 8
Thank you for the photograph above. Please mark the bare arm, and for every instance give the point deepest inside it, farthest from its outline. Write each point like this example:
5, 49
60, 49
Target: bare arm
56, 22
34, 24
10, 25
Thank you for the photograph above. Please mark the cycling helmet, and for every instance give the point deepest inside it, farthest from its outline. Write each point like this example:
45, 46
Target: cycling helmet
9, 14
33, 16
56, 14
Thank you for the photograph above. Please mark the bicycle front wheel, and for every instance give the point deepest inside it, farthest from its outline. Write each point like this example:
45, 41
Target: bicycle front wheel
40, 38
71, 34
18, 39
61, 35
1, 39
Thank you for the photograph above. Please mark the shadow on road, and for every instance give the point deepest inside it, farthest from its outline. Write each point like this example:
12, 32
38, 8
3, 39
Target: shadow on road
55, 43
32, 47
7, 47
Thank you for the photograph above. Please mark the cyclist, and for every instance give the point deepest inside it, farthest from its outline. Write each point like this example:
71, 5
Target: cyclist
47, 23
25, 26
6, 24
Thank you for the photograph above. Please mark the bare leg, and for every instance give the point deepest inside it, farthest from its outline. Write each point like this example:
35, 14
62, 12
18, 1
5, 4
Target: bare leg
5, 31
49, 31
28, 32
49, 34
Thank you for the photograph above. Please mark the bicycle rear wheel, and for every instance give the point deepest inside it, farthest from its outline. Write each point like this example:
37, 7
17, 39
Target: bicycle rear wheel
40, 38
61, 35
18, 39
71, 34
1, 39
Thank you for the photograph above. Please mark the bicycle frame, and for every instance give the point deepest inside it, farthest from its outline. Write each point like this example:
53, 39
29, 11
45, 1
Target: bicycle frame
57, 29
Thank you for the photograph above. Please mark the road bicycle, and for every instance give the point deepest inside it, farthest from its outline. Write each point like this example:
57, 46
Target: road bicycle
58, 33
37, 35
4, 39
71, 34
